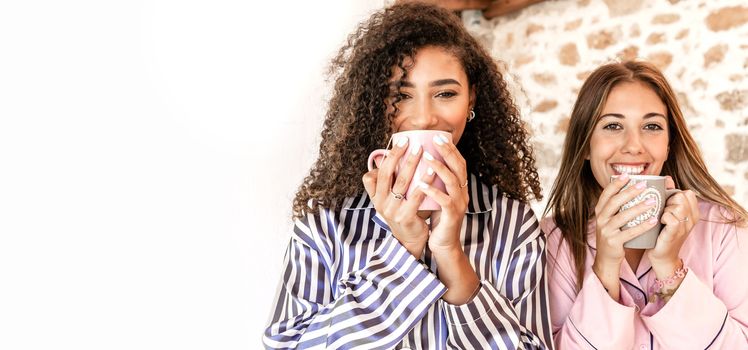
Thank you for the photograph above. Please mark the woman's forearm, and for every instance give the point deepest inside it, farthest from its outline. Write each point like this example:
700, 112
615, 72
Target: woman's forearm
456, 273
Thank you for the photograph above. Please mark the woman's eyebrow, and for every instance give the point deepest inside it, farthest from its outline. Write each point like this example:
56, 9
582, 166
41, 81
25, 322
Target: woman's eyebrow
614, 115
440, 82
621, 116
653, 114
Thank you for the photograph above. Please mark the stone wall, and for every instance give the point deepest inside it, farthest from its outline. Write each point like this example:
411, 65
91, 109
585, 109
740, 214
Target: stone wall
549, 49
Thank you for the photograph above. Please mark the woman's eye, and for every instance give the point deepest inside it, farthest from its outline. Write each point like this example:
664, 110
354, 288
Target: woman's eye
403, 96
612, 126
653, 127
446, 94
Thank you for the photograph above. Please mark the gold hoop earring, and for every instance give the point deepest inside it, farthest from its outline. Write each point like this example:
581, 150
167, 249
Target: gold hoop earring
471, 116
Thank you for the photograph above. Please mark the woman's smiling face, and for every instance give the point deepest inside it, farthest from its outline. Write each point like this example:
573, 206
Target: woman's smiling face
435, 94
631, 135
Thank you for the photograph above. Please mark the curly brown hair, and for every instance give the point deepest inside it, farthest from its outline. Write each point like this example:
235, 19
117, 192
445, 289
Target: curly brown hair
495, 145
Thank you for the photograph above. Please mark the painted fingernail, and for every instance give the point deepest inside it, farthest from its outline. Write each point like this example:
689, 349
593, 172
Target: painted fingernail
650, 201
428, 155
640, 185
444, 138
624, 176
402, 141
423, 185
438, 140
652, 221
415, 148
430, 171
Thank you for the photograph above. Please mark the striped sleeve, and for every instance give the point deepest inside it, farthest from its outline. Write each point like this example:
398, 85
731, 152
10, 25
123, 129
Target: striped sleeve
370, 308
511, 312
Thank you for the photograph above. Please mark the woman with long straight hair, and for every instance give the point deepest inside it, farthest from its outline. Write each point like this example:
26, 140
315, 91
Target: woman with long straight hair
688, 292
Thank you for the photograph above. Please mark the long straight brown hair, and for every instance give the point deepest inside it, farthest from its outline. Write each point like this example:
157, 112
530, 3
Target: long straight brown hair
575, 191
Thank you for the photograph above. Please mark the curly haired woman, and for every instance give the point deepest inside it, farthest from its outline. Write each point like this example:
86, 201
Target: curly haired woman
690, 290
365, 268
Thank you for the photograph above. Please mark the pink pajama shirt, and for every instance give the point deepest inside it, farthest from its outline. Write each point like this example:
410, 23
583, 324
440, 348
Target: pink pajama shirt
708, 311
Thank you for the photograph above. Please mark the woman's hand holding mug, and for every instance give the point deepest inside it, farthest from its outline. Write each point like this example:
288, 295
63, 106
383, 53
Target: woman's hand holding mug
609, 237
387, 186
453, 199
680, 215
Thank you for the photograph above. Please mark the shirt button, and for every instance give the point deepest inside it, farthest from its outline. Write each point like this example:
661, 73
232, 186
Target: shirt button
643, 347
639, 297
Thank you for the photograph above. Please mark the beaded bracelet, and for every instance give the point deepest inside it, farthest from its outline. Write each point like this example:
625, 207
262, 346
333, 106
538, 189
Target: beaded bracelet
659, 292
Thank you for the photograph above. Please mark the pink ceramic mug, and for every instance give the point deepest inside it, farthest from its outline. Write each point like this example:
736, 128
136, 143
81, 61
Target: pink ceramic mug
425, 138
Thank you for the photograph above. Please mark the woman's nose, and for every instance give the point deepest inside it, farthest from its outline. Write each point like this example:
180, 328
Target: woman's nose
632, 143
424, 117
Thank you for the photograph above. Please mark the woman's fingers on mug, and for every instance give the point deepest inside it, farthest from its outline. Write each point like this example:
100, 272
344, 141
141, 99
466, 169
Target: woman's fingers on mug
636, 231
692, 203
619, 199
679, 219
444, 200
388, 166
451, 180
683, 206
417, 196
673, 226
429, 176
622, 218
452, 157
609, 191
679, 198
407, 170
669, 183
671, 217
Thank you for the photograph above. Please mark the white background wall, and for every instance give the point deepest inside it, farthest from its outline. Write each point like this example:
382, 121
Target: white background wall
149, 152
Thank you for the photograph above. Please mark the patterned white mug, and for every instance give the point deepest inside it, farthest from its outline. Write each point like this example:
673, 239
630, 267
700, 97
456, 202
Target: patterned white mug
655, 190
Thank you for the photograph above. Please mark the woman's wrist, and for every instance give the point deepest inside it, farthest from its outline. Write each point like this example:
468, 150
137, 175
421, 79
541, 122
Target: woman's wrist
414, 248
667, 283
455, 271
608, 273
665, 267
448, 257
610, 268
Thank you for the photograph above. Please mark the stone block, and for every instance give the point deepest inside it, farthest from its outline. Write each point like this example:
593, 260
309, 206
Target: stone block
661, 59
569, 56
544, 78
655, 38
733, 100
737, 147
629, 53
622, 7
572, 25
563, 125
533, 28
682, 34
545, 106
667, 18
727, 18
635, 31
714, 55
601, 39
